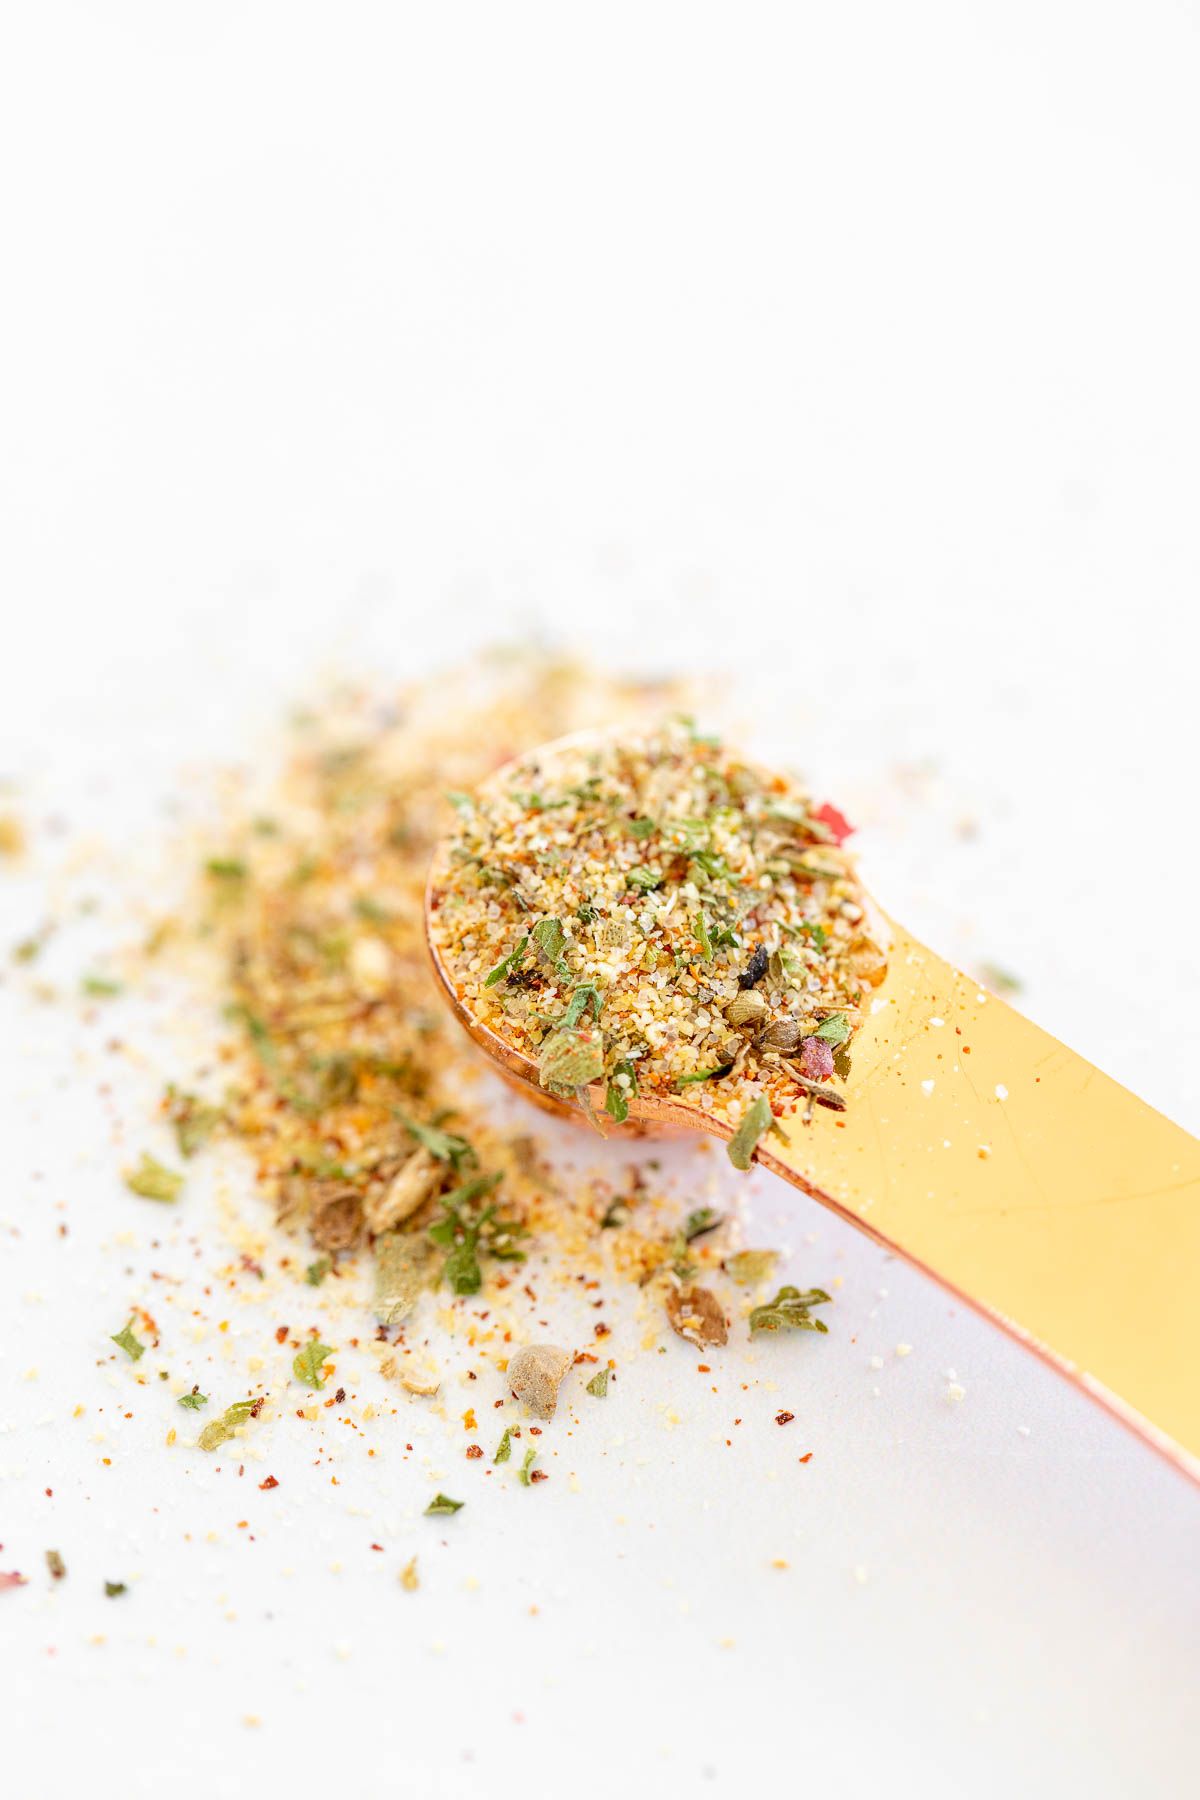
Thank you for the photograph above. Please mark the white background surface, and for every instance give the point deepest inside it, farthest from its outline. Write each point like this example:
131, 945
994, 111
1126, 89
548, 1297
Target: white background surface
849, 350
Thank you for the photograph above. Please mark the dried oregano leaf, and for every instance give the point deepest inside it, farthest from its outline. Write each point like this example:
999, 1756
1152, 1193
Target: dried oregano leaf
756, 1123
218, 1431
309, 1362
571, 1057
748, 1267
406, 1263
788, 1311
153, 1181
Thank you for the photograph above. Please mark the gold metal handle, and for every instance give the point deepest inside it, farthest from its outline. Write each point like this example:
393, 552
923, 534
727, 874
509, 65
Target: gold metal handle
1037, 1188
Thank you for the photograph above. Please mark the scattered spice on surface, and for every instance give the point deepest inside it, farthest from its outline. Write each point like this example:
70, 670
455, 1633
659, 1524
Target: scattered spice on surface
113, 1588
309, 1362
535, 1375
56, 1565
749, 1267
409, 1579
598, 1385
219, 1431
153, 1181
442, 1503
131, 1345
696, 1314
789, 1311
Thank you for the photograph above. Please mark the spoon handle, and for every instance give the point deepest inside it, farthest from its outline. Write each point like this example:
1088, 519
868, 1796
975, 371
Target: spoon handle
1039, 1190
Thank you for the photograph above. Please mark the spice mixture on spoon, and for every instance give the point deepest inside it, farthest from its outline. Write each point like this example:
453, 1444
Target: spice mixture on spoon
652, 914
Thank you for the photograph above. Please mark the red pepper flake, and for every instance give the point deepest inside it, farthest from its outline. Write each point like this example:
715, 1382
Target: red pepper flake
784, 1418
377, 1546
474, 1450
703, 1369
281, 1332
601, 1329
807, 1457
270, 1482
538, 1475
835, 822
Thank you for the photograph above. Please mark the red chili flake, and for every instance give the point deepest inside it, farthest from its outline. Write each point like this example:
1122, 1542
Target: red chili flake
601, 1329
281, 1332
807, 1457
538, 1475
474, 1450
377, 1546
270, 1482
835, 822
784, 1418
816, 1059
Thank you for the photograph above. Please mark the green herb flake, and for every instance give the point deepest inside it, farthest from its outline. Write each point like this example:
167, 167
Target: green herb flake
126, 1341
1001, 981
616, 1102
583, 995
317, 1271
371, 911
504, 1447
551, 940
756, 1123
644, 880
113, 1588
705, 1218
716, 1074
598, 1385
700, 927
101, 987
616, 1105
218, 1431
153, 1181
226, 868
194, 1121
466, 1233
443, 1146
571, 1057
507, 964
308, 1363
442, 1505
193, 1401
789, 1311
405, 1264
525, 1472
641, 828
749, 1267
834, 1030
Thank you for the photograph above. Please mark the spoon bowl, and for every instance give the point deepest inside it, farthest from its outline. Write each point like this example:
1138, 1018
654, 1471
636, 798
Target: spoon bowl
989, 1155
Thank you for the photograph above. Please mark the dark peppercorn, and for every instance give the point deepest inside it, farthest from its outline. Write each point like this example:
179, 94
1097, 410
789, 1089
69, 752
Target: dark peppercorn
756, 968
